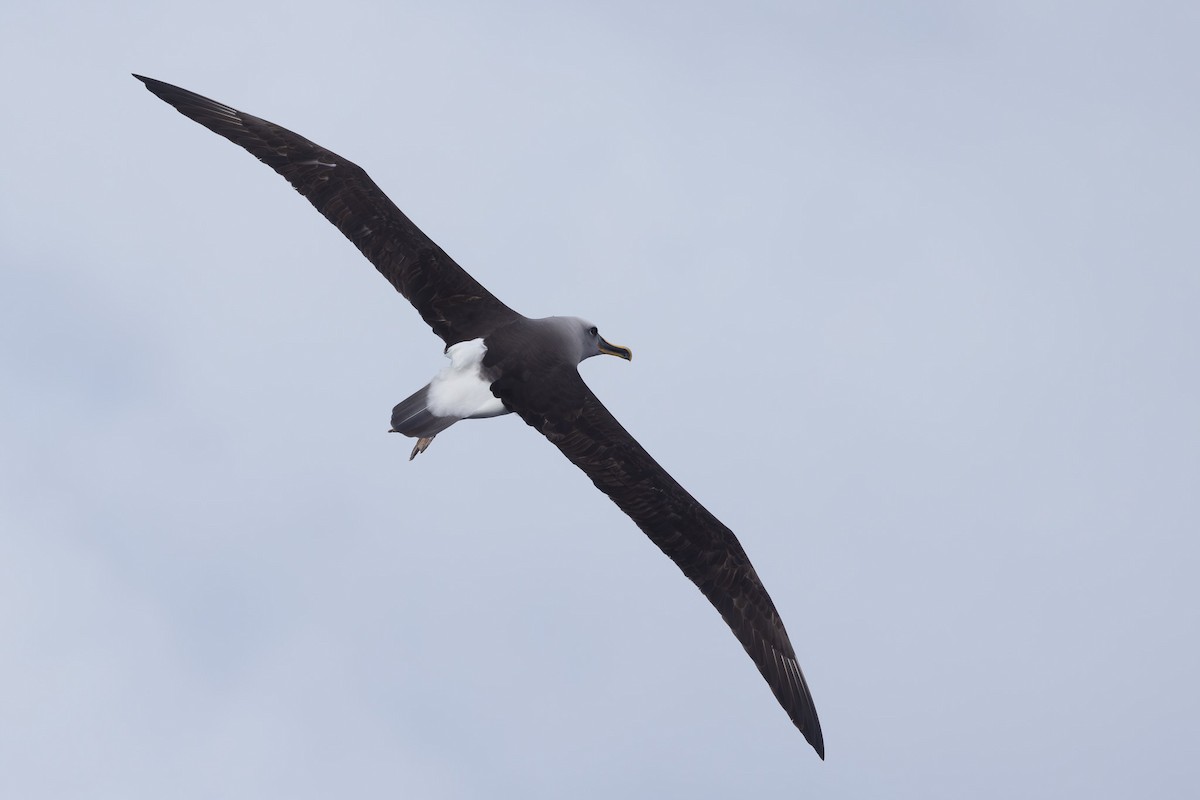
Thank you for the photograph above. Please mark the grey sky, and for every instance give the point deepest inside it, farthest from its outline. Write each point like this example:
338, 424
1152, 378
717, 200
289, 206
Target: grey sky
913, 293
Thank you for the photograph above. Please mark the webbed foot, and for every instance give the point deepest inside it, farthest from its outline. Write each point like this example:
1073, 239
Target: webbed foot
420, 446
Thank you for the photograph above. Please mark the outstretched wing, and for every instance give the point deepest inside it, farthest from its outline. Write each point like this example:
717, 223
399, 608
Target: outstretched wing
454, 304
561, 406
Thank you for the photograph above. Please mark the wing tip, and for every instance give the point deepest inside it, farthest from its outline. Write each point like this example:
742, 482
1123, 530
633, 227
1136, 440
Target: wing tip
192, 105
794, 695
161, 89
817, 741
149, 83
810, 728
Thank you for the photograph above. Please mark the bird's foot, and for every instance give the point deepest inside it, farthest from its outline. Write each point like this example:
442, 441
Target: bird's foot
420, 446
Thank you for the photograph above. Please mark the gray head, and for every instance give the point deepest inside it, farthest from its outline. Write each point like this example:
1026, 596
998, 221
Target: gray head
583, 340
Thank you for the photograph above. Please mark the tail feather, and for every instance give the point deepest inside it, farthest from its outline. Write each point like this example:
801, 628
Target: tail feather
412, 417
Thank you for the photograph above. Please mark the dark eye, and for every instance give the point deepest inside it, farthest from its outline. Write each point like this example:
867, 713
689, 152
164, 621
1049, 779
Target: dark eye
593, 331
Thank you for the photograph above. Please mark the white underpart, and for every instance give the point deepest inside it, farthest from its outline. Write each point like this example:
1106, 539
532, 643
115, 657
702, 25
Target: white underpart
460, 390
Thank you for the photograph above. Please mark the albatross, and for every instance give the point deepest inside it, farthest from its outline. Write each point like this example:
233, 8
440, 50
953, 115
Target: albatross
503, 362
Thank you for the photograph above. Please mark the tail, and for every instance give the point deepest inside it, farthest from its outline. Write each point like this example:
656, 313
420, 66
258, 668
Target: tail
412, 417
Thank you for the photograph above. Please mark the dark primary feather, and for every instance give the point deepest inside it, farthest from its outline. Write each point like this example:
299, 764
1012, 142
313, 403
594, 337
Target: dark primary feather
556, 401
547, 394
454, 304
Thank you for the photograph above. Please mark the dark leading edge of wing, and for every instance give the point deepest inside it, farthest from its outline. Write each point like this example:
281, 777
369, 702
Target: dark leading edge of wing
454, 304
554, 401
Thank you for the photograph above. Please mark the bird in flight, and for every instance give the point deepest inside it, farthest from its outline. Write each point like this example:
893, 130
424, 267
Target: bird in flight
503, 362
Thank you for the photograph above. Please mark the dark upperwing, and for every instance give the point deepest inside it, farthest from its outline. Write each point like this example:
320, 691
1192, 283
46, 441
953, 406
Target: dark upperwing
454, 304
560, 405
